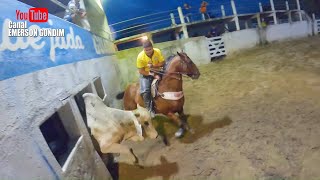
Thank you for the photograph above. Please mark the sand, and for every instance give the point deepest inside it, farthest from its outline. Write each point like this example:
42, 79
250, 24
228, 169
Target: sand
256, 115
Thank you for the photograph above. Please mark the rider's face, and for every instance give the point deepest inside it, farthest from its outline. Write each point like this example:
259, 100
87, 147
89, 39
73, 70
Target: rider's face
148, 51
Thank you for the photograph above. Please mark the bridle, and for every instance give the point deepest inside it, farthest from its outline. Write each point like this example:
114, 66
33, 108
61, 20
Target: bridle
184, 64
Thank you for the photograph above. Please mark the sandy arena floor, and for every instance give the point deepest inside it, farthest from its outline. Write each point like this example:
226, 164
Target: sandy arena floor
256, 115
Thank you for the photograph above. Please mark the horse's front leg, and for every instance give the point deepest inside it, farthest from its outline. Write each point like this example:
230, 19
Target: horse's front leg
179, 122
184, 119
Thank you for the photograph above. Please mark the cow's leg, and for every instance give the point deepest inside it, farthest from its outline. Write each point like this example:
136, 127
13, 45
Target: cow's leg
122, 149
178, 121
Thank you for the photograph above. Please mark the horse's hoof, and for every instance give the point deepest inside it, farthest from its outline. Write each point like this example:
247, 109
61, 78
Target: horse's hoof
179, 133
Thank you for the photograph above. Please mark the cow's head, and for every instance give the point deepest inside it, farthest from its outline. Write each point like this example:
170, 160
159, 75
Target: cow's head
144, 119
92, 101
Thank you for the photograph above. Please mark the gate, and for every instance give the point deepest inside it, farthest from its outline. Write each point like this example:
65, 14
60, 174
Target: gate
317, 26
216, 47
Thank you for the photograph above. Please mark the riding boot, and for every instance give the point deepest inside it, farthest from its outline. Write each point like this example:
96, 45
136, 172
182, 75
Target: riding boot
148, 103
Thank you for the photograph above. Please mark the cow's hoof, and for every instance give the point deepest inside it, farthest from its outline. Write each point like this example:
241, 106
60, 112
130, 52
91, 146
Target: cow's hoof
166, 141
179, 133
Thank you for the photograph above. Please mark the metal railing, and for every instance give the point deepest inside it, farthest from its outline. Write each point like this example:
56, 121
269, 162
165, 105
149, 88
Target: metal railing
164, 19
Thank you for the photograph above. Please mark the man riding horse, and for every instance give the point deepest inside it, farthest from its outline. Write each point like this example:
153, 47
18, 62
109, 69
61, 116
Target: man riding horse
149, 58
168, 96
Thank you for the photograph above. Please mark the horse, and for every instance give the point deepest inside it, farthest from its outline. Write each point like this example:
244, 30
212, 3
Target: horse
171, 85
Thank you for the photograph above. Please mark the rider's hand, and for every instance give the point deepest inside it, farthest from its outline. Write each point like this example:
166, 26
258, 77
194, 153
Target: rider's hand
151, 73
84, 14
157, 77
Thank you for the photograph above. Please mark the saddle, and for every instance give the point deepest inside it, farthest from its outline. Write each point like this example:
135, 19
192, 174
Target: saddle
165, 95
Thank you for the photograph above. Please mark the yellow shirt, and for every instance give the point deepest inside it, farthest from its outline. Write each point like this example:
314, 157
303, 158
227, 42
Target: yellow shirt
143, 59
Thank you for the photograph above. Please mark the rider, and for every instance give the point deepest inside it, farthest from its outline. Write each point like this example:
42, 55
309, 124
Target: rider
149, 59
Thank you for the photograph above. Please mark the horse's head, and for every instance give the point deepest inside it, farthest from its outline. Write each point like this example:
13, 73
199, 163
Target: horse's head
188, 67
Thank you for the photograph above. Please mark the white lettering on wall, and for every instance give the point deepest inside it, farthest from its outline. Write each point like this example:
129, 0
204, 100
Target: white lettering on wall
101, 45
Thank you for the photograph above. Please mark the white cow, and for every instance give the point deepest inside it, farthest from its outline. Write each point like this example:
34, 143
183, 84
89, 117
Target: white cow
111, 126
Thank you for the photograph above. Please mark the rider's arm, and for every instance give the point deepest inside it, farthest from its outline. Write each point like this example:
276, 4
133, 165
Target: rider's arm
145, 73
160, 64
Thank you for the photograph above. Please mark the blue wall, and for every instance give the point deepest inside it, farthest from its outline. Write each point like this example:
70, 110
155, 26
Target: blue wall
21, 55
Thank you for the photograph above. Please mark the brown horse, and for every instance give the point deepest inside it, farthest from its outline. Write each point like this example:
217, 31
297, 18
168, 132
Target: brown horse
171, 81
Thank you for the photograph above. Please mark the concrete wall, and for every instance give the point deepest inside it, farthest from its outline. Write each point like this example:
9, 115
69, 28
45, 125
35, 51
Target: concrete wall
29, 100
238, 40
288, 31
40, 77
248, 38
196, 48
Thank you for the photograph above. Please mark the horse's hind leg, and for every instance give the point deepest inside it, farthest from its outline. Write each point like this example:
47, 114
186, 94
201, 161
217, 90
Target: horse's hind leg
178, 121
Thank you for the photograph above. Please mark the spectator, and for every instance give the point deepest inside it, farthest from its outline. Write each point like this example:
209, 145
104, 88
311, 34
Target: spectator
187, 12
213, 31
209, 35
76, 15
263, 23
203, 9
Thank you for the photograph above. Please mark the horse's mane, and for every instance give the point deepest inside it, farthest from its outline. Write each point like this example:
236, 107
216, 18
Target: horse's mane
168, 62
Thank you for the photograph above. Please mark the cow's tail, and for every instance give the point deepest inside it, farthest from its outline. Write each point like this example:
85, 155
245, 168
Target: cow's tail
120, 95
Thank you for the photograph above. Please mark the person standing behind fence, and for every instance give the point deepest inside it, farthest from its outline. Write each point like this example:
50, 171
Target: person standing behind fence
76, 15
187, 9
263, 32
203, 9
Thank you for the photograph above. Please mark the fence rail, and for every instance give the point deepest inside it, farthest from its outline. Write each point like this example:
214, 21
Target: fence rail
165, 19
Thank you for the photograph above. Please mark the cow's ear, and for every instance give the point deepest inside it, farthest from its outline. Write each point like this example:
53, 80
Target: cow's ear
137, 114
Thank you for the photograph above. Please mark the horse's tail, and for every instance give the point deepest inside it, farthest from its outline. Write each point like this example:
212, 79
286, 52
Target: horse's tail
120, 95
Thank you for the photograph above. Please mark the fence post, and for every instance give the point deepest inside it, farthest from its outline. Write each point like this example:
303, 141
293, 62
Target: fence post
236, 18
223, 12
287, 6
299, 9
184, 27
273, 12
289, 17
260, 7
173, 21
259, 20
315, 25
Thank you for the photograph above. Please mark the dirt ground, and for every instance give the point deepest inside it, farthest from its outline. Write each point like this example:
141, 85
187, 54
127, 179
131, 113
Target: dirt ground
256, 115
